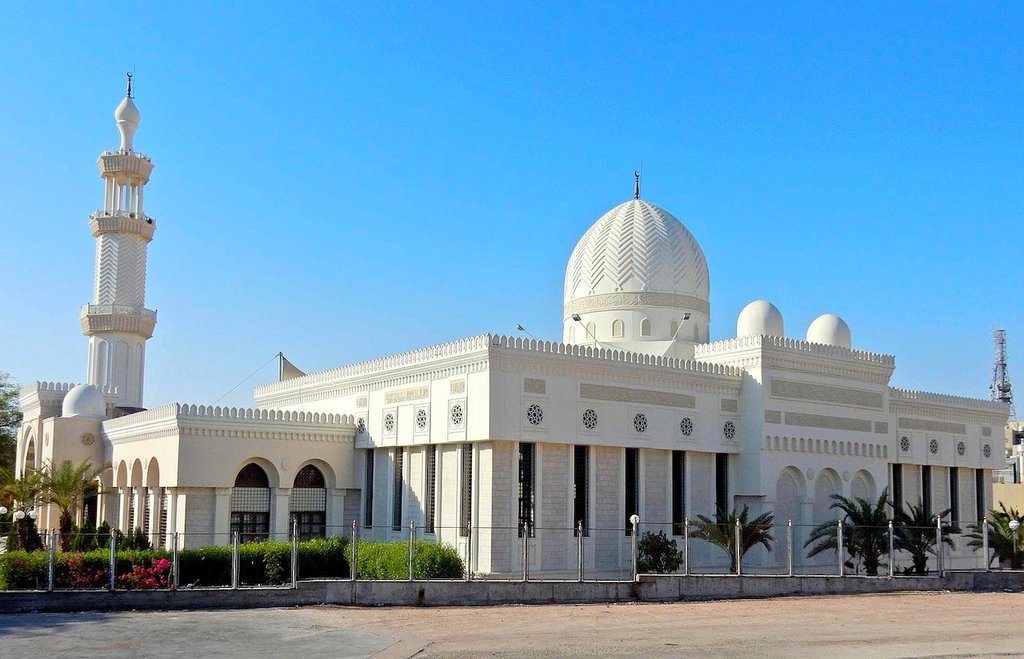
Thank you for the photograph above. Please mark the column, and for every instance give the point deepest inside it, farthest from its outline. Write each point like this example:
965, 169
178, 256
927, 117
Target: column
336, 522
154, 517
280, 520
221, 516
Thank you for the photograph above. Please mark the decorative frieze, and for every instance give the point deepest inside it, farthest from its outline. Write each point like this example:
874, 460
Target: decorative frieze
633, 300
405, 395
640, 396
828, 422
822, 393
457, 387
361, 401
882, 427
771, 416
729, 405
986, 431
535, 386
933, 426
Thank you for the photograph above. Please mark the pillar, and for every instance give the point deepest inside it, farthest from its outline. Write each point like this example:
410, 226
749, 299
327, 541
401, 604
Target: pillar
221, 515
280, 519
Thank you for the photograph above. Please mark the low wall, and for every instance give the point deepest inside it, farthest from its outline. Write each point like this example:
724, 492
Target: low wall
482, 593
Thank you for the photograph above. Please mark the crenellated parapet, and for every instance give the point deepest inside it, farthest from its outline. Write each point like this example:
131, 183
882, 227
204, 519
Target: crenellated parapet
706, 350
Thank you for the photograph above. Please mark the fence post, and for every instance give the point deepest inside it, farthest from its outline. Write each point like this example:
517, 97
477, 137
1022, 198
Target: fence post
235, 568
579, 551
412, 545
174, 561
892, 551
736, 547
51, 559
840, 550
634, 519
113, 560
352, 551
295, 553
526, 551
938, 545
686, 546
789, 547
984, 542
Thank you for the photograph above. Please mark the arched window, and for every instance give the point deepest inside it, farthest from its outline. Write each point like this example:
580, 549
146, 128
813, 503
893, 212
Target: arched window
30, 455
591, 332
308, 503
617, 328
645, 327
572, 335
250, 504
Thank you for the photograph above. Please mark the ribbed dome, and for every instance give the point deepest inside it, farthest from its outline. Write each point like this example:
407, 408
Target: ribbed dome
637, 247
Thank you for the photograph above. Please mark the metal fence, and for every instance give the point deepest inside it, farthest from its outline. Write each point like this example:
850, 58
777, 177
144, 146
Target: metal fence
541, 553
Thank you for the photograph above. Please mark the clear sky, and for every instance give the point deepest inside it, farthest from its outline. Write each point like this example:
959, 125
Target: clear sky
345, 181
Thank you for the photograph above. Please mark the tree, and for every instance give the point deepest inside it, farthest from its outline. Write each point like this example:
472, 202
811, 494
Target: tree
722, 532
64, 486
10, 417
24, 492
915, 534
657, 554
1001, 539
865, 531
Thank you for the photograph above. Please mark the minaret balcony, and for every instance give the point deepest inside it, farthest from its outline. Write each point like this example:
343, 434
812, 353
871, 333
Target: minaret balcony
126, 163
122, 221
126, 318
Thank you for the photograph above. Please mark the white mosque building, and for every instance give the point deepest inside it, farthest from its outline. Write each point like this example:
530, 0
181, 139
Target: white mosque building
634, 412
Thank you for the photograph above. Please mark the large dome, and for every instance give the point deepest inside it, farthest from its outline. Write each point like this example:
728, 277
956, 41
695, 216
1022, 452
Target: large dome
84, 401
637, 247
637, 280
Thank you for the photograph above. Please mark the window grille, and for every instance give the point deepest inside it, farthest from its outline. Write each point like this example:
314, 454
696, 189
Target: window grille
926, 490
308, 503
467, 490
165, 503
368, 490
954, 494
678, 492
397, 491
979, 494
250, 504
581, 489
897, 485
632, 486
131, 510
145, 510
428, 493
722, 482
526, 480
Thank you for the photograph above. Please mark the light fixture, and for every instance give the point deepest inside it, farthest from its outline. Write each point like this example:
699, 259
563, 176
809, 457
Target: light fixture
1014, 525
19, 515
576, 317
3, 510
32, 514
686, 316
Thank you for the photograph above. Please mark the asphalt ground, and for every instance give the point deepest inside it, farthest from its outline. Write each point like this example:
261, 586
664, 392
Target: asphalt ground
891, 625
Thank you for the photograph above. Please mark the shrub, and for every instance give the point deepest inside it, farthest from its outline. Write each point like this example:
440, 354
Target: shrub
324, 557
657, 554
21, 570
390, 560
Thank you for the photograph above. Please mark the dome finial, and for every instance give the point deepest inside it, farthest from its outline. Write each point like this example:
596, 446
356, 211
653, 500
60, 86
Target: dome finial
636, 184
129, 92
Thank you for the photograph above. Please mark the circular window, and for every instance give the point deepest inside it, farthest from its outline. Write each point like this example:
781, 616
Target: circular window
686, 426
389, 422
729, 429
457, 415
421, 419
904, 443
640, 423
961, 448
88, 439
933, 446
534, 415
986, 450
589, 419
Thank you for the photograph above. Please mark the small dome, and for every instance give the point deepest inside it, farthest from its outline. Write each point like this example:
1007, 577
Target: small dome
831, 330
127, 117
759, 317
84, 401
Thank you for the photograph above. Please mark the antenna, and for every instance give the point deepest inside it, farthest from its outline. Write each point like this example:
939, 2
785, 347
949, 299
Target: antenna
1001, 388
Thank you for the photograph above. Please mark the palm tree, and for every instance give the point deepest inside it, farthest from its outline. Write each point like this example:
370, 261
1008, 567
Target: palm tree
1002, 541
722, 532
865, 531
915, 534
64, 486
24, 492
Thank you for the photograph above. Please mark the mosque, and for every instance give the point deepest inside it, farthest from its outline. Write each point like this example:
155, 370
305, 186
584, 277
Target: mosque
634, 412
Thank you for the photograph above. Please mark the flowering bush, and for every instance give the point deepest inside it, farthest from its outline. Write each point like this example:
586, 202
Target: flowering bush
80, 574
146, 577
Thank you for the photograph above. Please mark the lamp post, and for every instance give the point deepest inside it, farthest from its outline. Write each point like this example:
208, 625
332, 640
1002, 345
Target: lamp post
1014, 525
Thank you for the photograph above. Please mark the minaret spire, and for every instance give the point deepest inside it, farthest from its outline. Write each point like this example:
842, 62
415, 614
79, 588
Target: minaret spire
636, 185
117, 321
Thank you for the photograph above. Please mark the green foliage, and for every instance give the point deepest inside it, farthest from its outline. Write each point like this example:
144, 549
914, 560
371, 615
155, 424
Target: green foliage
324, 558
721, 532
10, 417
64, 485
915, 534
865, 531
390, 560
1006, 546
657, 554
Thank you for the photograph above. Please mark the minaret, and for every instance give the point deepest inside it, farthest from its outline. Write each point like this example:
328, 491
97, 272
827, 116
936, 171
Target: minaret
117, 322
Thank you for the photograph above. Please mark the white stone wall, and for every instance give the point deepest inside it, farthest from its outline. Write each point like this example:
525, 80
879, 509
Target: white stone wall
554, 508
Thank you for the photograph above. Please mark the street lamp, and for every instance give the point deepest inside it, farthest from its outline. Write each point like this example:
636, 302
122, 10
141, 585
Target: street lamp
1014, 525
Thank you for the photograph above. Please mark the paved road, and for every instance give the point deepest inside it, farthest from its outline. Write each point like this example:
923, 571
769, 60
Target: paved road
900, 625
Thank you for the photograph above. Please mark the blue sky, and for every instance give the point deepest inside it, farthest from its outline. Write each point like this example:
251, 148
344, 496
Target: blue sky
345, 181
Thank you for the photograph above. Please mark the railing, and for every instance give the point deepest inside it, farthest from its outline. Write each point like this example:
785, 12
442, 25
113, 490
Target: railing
522, 553
120, 213
122, 309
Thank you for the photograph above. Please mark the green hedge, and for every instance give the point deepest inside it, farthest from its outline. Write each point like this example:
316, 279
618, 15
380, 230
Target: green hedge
390, 560
261, 563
